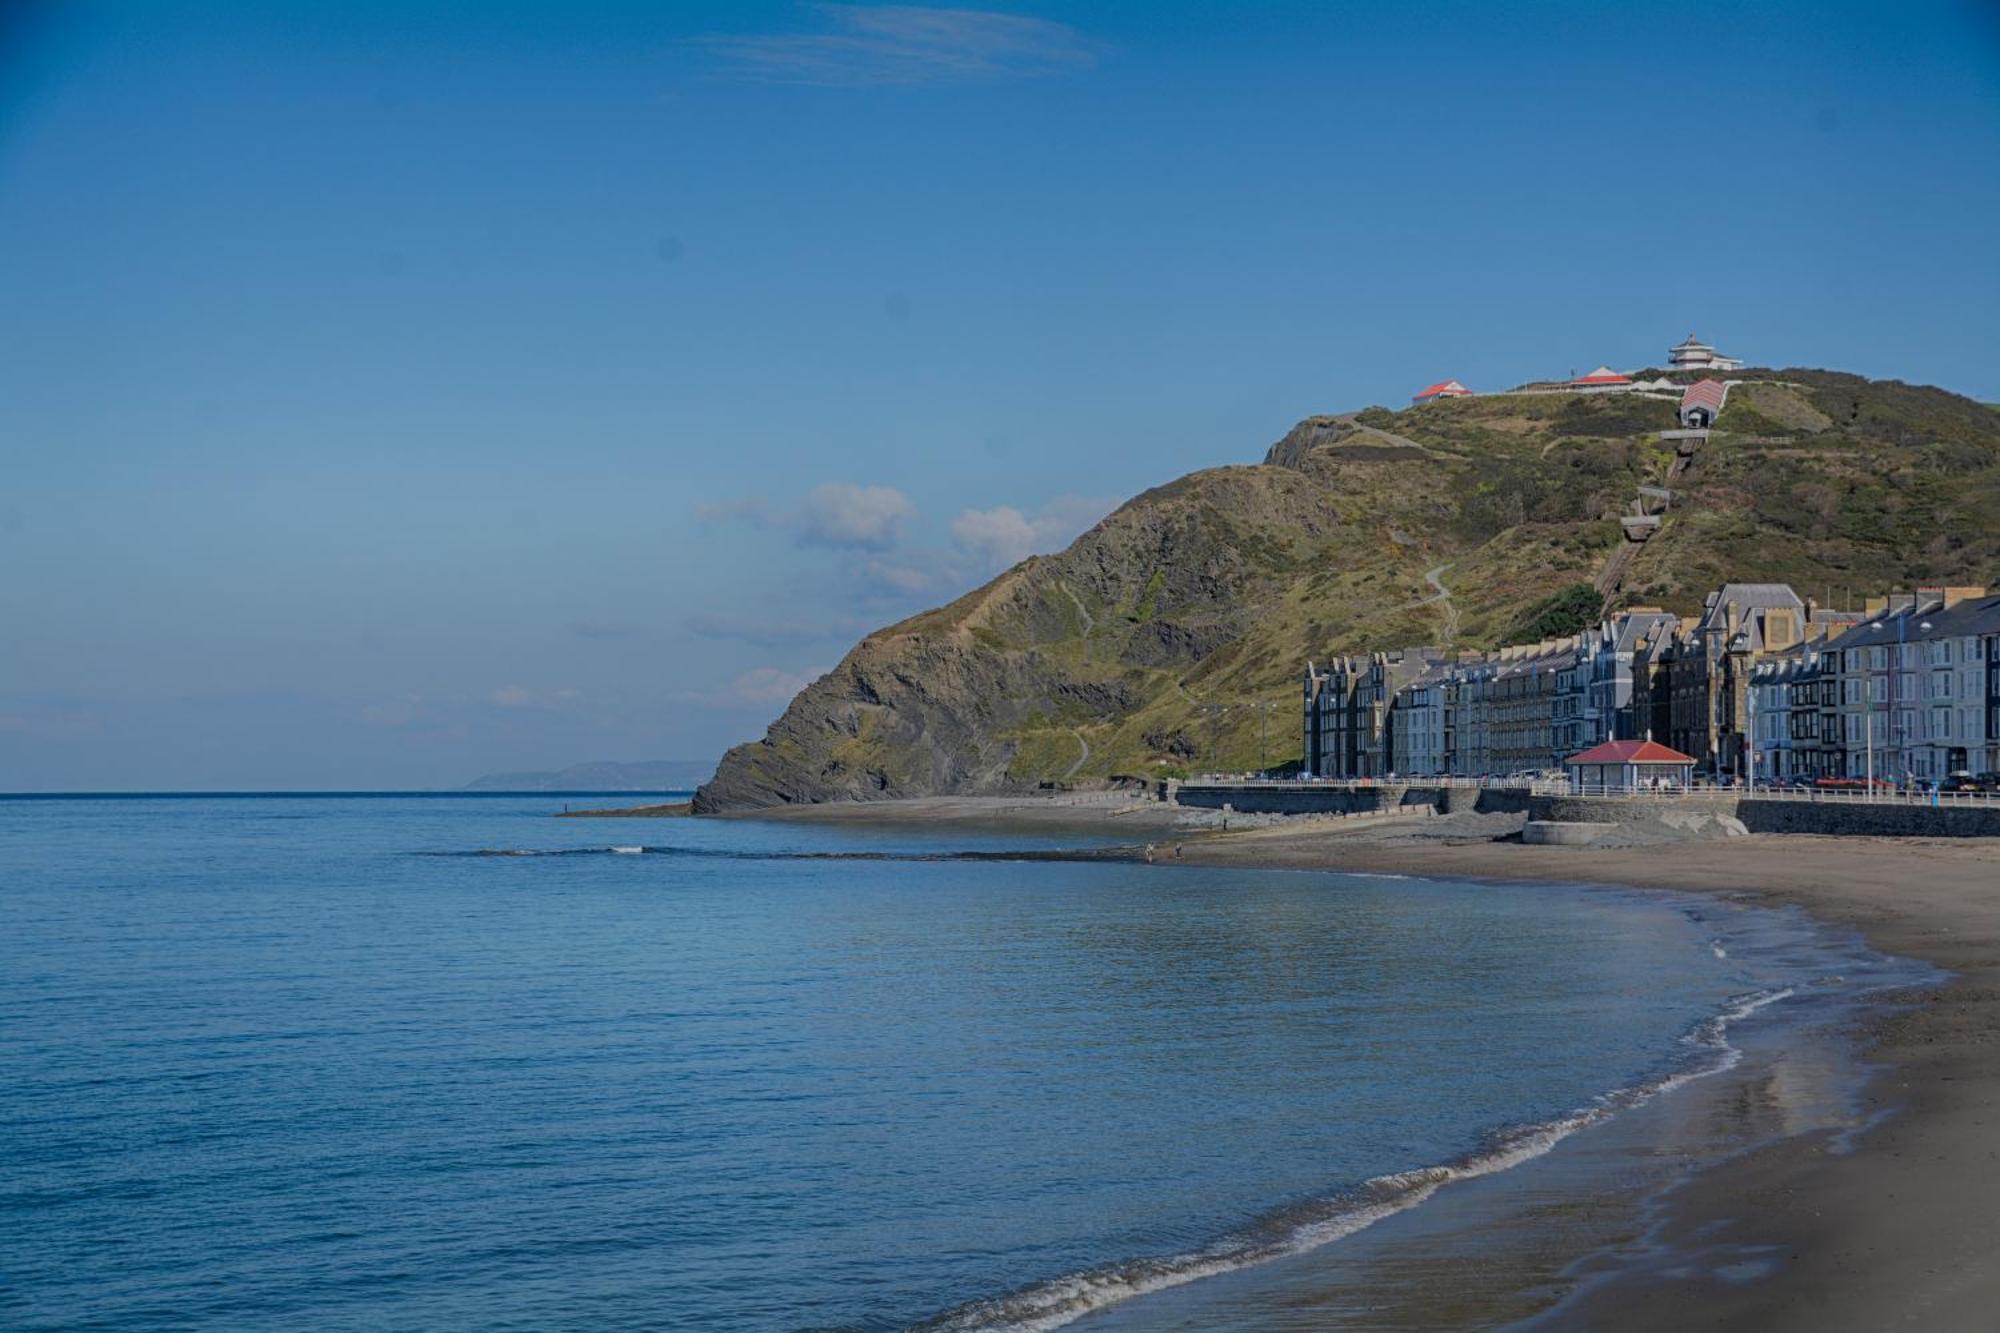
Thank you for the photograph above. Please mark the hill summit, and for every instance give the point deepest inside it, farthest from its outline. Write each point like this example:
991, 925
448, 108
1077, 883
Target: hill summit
1173, 634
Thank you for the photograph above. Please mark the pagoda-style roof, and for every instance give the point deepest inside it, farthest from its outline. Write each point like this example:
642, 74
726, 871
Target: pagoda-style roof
1690, 341
1630, 752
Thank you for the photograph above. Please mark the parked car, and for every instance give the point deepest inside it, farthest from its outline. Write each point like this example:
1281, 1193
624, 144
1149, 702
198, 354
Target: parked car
1969, 782
1851, 784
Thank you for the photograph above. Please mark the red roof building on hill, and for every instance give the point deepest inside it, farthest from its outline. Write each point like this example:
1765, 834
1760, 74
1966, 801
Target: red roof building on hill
1603, 375
1702, 403
1442, 389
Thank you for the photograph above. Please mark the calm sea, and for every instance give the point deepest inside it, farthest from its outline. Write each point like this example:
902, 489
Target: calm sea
306, 1062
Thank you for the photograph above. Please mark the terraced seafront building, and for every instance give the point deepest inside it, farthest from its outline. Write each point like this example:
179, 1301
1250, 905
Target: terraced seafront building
1916, 686
1763, 685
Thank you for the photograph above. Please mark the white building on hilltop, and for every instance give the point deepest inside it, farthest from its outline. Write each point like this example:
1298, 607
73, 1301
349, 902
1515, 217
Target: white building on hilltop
1694, 354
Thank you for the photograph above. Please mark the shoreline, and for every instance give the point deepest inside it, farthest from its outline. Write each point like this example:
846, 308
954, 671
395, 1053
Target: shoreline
1897, 1230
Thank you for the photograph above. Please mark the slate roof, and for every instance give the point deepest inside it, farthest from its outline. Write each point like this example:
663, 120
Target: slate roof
1749, 598
1975, 615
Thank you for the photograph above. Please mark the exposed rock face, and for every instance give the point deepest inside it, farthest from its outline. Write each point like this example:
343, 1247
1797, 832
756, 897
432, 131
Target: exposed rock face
1173, 633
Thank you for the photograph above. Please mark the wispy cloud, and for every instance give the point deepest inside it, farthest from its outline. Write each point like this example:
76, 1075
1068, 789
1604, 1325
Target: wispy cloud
866, 518
841, 514
1004, 536
761, 688
866, 46
908, 578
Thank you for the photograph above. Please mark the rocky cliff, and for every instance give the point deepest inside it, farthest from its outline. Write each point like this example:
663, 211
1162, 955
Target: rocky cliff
1172, 634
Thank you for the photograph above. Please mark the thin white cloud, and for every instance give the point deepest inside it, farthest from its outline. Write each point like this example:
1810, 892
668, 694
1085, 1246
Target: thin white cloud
1004, 536
842, 514
866, 46
761, 688
906, 578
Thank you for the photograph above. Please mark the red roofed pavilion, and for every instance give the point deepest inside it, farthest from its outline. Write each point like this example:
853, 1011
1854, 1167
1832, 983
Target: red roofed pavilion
1702, 403
1629, 766
1442, 389
1603, 375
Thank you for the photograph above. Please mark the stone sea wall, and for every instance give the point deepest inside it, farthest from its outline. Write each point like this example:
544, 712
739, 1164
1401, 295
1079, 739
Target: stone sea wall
1723, 814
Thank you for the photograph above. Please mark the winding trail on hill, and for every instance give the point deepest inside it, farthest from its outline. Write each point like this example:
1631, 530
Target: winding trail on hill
1441, 595
1401, 441
1081, 759
1089, 624
1089, 621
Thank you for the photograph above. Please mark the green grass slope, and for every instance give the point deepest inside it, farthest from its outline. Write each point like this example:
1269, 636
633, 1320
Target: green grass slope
1174, 632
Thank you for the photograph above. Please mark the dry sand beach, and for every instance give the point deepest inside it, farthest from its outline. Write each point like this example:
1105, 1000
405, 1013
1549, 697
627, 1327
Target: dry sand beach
1899, 1232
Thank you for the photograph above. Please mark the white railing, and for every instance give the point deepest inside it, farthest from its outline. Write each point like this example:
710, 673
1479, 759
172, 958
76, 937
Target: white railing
1352, 784
1605, 791
1834, 795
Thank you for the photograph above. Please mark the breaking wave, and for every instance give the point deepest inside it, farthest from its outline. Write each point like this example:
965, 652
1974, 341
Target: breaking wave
726, 854
1308, 1226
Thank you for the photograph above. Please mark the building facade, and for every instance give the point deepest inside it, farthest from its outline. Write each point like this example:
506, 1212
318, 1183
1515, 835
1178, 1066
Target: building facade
1763, 686
1691, 353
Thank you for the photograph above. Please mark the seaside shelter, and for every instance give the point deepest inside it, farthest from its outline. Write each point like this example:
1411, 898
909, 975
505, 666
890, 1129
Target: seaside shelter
1629, 766
1442, 389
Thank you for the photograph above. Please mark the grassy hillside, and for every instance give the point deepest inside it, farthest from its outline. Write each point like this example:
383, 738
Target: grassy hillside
1182, 621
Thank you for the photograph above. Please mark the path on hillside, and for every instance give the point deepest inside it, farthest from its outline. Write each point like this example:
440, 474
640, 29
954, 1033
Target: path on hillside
1081, 759
1089, 621
1441, 596
1401, 441
1089, 624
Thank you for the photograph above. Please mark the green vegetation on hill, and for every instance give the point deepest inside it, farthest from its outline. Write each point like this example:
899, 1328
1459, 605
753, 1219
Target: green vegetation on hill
1567, 611
1192, 610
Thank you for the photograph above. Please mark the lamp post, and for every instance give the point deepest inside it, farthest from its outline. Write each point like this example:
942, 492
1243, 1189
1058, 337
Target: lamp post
1923, 626
1890, 692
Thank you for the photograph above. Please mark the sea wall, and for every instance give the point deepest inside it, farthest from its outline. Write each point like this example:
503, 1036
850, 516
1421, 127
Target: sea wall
1284, 799
1309, 798
1879, 819
1724, 813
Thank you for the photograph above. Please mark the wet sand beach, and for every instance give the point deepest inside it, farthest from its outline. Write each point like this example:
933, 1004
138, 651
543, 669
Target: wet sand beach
1897, 1229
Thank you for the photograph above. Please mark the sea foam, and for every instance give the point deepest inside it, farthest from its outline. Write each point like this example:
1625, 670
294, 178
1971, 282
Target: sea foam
1300, 1228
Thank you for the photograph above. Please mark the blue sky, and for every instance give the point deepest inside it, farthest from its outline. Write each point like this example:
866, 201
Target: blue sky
395, 394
